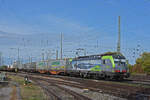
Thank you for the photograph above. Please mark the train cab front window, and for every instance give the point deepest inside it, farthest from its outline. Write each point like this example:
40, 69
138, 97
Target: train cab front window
120, 62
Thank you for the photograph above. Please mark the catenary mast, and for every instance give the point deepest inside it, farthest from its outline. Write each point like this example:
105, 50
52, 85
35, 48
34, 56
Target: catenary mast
119, 40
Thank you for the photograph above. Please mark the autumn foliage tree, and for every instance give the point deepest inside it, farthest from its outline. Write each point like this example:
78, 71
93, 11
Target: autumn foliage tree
142, 64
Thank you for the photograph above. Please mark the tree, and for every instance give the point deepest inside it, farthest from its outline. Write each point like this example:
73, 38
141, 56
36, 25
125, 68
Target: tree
130, 67
143, 63
3, 67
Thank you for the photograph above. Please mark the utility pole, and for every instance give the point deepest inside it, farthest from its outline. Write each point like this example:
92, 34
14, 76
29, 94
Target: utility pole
0, 59
18, 54
118, 44
42, 56
47, 55
11, 60
61, 51
48, 52
56, 54
29, 60
18, 57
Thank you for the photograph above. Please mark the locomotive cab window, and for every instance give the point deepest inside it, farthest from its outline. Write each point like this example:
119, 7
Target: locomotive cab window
120, 62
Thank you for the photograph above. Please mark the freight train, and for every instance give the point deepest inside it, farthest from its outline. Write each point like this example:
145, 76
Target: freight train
106, 66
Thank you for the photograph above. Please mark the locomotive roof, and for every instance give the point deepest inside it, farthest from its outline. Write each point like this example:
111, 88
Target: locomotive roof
89, 57
98, 56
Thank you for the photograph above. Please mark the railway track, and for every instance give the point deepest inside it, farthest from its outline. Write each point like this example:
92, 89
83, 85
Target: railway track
108, 87
51, 95
139, 82
58, 92
54, 91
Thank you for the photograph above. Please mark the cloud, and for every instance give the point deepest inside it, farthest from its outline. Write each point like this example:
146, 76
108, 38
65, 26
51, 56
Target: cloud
20, 29
72, 30
45, 23
56, 24
7, 35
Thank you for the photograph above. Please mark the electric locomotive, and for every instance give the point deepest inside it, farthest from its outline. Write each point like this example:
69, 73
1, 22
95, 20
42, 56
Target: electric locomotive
107, 66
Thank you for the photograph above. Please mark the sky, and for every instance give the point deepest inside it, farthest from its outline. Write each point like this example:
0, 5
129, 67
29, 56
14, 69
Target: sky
34, 26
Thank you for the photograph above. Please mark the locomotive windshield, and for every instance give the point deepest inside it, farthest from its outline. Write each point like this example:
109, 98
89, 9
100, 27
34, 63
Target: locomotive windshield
117, 56
120, 61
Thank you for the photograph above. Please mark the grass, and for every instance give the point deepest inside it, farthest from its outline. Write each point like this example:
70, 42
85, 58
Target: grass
30, 91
